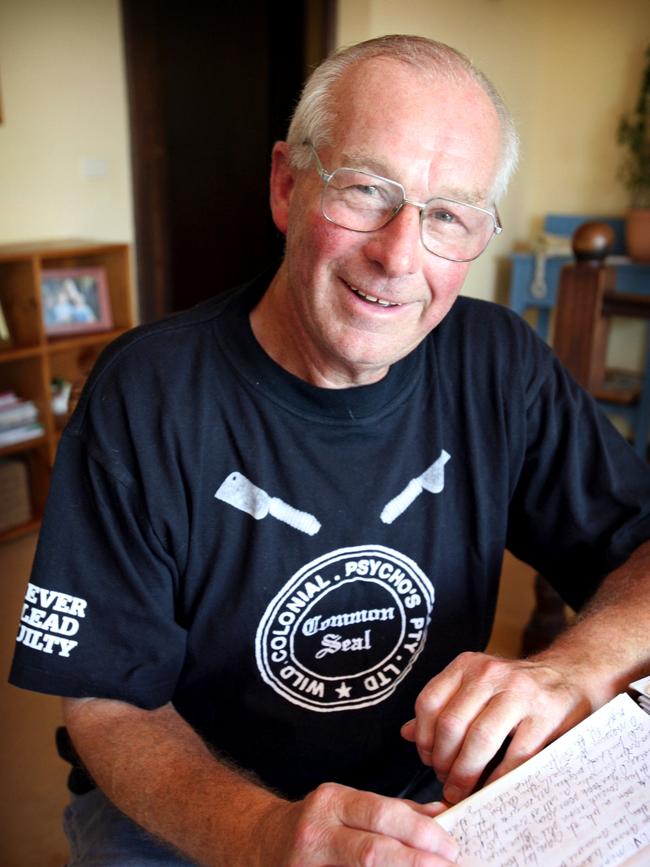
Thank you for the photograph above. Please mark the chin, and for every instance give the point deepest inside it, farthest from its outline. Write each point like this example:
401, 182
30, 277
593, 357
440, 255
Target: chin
373, 363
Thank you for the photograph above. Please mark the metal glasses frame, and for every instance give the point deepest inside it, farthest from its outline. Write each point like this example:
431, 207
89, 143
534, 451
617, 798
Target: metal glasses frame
326, 177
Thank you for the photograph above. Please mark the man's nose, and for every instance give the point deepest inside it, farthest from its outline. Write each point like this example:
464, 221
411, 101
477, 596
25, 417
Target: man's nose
397, 247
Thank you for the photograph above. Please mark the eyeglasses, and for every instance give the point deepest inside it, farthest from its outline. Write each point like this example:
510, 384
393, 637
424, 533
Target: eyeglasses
364, 202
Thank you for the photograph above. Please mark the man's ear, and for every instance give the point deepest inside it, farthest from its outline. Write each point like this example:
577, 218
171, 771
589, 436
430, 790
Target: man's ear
283, 178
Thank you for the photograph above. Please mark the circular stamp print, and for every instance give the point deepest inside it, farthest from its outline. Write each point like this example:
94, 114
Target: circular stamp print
345, 629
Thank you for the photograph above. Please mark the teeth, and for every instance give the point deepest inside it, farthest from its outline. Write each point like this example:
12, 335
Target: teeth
374, 300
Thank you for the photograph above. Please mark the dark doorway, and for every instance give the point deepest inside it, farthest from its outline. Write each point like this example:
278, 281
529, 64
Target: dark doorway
211, 87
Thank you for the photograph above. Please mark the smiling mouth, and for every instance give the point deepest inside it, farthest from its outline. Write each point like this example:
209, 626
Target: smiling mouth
371, 298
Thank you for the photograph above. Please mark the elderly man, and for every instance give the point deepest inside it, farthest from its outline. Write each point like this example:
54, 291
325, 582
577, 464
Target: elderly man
270, 561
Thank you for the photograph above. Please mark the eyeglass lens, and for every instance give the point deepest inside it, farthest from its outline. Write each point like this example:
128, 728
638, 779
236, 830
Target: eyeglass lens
365, 202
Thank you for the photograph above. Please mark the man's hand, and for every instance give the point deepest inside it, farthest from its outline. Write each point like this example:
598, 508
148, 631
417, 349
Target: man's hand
159, 772
337, 825
464, 715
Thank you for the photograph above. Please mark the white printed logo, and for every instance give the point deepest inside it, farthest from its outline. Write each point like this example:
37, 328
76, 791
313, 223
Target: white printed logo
49, 619
432, 480
240, 492
345, 629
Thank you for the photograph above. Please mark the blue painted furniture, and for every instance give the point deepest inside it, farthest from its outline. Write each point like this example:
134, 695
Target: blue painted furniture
528, 291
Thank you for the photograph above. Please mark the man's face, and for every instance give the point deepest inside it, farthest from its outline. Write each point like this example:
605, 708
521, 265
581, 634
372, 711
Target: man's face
435, 139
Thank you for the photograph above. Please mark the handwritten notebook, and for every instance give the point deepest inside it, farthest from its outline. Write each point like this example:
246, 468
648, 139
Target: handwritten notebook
583, 800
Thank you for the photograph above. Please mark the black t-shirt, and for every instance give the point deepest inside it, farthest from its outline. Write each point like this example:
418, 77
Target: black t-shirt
290, 565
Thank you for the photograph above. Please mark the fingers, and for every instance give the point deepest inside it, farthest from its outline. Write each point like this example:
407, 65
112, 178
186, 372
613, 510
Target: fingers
408, 730
454, 740
532, 735
431, 701
480, 742
404, 821
344, 826
466, 713
433, 809
442, 710
355, 848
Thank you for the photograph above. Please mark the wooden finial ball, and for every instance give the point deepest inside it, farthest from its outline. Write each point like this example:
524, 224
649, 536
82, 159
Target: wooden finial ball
592, 241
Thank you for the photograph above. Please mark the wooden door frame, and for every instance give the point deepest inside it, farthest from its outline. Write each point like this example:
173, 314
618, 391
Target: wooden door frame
149, 152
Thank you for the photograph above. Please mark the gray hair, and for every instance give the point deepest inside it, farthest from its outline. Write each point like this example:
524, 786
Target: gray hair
313, 118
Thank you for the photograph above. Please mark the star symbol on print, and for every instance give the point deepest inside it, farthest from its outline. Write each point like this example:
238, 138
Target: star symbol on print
343, 690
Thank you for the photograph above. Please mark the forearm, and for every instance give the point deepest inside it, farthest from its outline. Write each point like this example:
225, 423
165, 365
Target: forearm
608, 645
465, 713
157, 770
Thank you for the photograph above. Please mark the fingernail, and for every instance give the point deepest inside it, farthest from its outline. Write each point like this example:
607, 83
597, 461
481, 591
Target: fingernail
452, 794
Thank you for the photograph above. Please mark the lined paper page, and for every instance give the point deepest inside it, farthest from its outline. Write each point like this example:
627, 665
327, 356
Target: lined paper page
584, 800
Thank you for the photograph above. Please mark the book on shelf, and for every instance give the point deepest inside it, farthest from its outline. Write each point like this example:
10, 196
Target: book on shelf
19, 419
20, 412
7, 398
20, 434
582, 800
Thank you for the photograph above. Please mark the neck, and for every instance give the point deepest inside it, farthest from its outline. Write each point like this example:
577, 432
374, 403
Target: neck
283, 336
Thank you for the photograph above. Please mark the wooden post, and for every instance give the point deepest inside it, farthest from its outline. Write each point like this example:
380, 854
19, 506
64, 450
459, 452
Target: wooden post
580, 342
580, 336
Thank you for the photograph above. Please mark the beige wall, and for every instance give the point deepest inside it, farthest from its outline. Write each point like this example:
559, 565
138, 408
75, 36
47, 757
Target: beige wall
566, 68
64, 148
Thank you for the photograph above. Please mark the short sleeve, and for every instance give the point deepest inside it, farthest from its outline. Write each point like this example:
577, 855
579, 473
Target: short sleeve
582, 499
99, 614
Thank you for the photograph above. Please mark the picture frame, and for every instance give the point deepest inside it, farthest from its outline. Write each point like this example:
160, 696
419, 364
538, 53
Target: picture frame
75, 301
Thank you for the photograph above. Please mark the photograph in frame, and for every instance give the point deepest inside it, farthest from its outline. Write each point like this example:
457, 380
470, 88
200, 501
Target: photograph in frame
75, 301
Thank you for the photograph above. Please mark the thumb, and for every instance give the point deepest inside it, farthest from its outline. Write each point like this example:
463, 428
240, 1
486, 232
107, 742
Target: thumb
408, 731
433, 808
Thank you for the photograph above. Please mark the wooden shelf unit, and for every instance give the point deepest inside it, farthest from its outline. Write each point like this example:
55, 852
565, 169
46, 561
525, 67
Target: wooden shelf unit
33, 359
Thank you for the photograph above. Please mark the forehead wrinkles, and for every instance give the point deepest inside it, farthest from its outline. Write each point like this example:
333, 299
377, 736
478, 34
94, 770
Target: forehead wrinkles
393, 81
360, 158
376, 126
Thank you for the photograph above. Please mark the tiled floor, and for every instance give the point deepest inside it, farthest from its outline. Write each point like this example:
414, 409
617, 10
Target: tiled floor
33, 777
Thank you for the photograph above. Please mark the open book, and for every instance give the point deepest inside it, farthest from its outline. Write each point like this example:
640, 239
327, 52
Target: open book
583, 800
